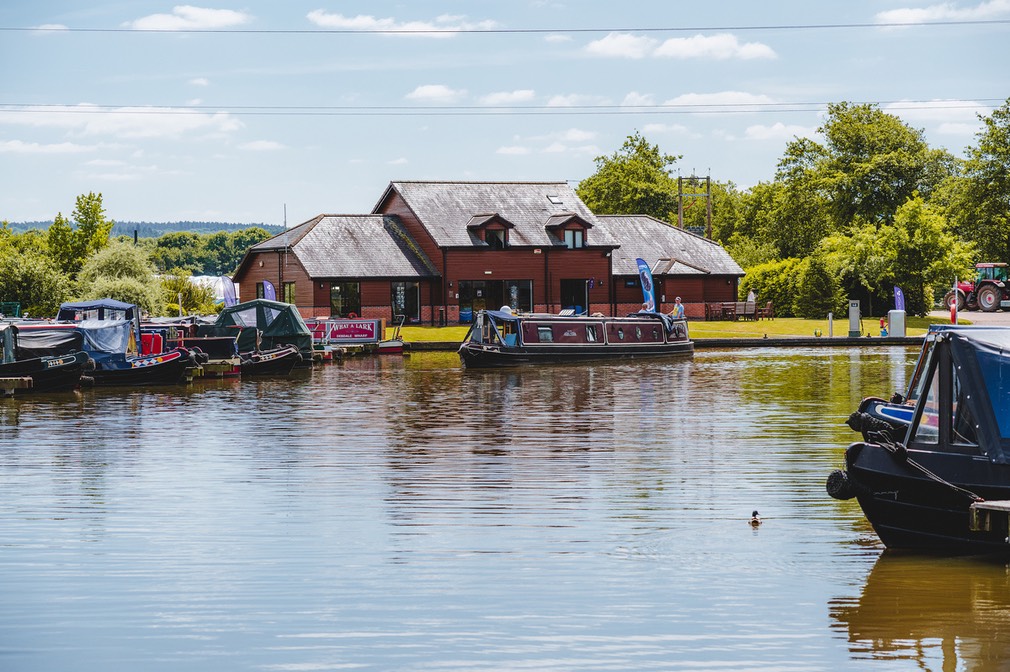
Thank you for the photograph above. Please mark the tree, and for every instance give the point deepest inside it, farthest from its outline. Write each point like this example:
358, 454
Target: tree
916, 252
182, 250
180, 292
33, 280
124, 272
70, 246
874, 163
928, 256
634, 180
979, 202
817, 292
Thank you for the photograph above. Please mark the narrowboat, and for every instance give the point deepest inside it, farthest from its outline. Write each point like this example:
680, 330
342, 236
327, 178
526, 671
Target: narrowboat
48, 372
945, 485
503, 338
277, 361
111, 345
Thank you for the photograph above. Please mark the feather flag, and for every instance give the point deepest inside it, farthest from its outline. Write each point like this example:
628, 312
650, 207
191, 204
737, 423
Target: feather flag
269, 293
648, 289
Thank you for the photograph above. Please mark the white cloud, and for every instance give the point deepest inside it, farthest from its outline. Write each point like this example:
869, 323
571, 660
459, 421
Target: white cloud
557, 38
734, 100
635, 99
105, 163
443, 26
402, 161
577, 135
574, 99
622, 45
665, 128
721, 47
187, 17
964, 111
20, 147
436, 93
508, 97
122, 122
261, 146
513, 150
945, 12
50, 28
200, 81
779, 131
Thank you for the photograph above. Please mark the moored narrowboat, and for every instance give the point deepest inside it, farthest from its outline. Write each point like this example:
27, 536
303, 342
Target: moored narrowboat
942, 485
503, 338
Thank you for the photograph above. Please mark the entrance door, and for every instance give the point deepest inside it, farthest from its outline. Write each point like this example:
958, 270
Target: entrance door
575, 295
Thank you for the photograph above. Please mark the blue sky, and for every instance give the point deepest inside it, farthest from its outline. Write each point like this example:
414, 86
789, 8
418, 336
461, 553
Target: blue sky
244, 111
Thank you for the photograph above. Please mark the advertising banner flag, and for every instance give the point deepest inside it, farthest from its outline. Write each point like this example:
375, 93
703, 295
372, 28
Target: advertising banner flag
648, 289
899, 299
269, 293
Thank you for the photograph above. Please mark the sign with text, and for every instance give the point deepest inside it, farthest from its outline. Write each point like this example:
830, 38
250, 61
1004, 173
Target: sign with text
345, 331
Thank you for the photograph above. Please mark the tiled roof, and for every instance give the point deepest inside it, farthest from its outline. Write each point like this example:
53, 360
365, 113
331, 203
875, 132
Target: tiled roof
667, 249
353, 246
446, 208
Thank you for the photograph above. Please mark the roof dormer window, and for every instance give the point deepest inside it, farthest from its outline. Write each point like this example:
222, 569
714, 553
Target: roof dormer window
496, 239
575, 238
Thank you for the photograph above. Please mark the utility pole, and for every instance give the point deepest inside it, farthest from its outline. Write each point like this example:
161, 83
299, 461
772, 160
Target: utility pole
694, 182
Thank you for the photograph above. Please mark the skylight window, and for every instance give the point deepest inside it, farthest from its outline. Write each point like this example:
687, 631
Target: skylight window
556, 200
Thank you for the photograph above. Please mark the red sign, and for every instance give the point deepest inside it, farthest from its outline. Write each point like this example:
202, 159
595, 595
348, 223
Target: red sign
345, 331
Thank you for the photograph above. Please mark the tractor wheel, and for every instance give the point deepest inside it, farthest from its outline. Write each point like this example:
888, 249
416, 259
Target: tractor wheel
949, 299
988, 298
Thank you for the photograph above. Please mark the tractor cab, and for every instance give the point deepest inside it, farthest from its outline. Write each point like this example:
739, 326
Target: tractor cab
991, 271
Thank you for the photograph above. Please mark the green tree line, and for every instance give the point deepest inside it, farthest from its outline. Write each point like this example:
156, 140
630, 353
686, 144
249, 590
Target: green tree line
77, 258
867, 207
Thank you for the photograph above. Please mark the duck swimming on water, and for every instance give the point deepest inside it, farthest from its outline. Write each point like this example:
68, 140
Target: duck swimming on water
755, 519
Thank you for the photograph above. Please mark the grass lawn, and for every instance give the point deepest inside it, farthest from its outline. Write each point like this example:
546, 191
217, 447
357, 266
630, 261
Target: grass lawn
779, 327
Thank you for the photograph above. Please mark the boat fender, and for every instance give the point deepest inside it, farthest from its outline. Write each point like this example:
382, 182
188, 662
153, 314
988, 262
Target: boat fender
89, 365
839, 486
864, 422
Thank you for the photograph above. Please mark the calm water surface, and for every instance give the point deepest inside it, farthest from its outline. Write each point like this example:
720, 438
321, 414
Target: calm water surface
404, 514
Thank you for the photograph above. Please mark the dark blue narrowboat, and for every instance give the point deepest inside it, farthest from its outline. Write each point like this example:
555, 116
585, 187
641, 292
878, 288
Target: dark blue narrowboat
943, 484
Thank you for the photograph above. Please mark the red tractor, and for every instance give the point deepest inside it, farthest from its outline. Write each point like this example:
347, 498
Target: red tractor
989, 291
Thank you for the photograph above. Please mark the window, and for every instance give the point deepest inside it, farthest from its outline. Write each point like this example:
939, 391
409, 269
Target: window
405, 300
927, 431
574, 238
289, 292
260, 291
496, 239
591, 333
345, 299
545, 333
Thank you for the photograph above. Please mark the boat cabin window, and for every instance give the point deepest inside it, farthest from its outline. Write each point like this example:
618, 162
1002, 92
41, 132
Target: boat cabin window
545, 333
591, 333
927, 431
946, 407
963, 427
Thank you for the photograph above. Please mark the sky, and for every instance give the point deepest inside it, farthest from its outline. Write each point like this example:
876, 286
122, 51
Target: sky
259, 111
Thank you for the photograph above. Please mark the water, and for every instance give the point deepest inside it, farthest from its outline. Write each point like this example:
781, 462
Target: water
404, 514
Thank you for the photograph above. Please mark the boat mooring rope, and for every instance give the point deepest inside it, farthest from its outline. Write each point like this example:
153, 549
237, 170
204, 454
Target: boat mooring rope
900, 452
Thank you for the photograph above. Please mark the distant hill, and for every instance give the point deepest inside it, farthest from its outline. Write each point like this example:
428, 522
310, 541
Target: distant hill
158, 229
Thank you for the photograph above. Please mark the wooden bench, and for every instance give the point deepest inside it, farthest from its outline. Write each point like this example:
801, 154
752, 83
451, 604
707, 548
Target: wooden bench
746, 310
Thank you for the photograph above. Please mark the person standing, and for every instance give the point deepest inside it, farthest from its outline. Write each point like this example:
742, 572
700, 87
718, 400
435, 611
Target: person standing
678, 310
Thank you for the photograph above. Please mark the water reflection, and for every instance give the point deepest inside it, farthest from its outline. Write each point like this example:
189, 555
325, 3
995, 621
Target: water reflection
941, 613
404, 513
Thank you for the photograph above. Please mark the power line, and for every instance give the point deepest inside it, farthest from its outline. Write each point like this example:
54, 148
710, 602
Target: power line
474, 110
509, 31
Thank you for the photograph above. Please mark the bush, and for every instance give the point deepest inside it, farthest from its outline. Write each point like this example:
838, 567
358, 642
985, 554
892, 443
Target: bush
774, 281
